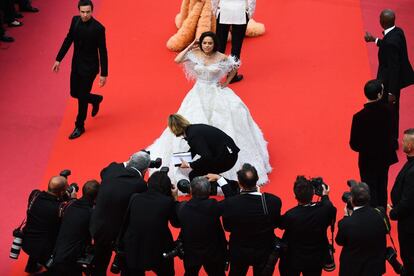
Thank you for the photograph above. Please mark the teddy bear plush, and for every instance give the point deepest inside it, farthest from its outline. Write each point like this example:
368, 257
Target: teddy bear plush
196, 17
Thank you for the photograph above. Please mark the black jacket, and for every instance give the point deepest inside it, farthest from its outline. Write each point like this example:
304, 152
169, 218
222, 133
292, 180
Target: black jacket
251, 231
394, 67
372, 136
363, 237
42, 226
147, 234
201, 231
74, 233
210, 143
89, 47
117, 186
305, 234
402, 198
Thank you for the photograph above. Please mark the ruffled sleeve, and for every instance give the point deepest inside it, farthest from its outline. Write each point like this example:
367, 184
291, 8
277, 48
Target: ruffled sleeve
229, 64
190, 61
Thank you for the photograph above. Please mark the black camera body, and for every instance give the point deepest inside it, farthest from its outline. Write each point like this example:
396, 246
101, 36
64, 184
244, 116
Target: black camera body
391, 257
119, 262
346, 196
329, 264
72, 187
177, 251
155, 164
278, 247
318, 184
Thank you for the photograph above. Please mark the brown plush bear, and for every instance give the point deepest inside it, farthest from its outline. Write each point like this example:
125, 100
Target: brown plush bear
196, 17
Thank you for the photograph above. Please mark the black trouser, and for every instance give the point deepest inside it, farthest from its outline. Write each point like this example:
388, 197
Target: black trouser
291, 271
80, 88
395, 108
406, 249
211, 268
377, 180
221, 164
238, 32
238, 269
65, 269
103, 253
165, 268
9, 10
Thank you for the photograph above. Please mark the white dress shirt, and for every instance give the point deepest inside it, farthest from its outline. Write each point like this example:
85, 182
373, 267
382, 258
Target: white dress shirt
233, 11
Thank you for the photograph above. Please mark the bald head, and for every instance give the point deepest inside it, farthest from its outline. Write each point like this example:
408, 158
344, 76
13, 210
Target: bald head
57, 185
387, 19
408, 142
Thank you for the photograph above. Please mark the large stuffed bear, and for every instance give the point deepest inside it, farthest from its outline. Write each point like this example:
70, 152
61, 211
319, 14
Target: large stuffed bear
196, 17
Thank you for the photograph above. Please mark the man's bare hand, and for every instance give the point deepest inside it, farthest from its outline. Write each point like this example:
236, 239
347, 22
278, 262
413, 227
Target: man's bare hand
102, 81
211, 177
184, 164
369, 37
56, 66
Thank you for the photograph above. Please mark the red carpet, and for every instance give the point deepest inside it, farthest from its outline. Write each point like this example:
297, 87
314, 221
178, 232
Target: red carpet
303, 82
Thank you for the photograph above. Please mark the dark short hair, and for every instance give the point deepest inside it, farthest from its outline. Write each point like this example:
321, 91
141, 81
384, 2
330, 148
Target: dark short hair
200, 187
409, 131
160, 182
247, 176
360, 194
82, 3
372, 88
90, 189
303, 189
213, 36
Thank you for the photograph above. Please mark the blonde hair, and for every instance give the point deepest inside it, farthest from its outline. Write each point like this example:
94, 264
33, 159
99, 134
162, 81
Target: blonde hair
177, 124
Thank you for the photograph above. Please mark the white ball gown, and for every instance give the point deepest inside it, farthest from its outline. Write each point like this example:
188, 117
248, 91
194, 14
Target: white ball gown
208, 103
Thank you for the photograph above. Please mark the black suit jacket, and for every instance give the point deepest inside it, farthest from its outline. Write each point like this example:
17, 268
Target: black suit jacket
42, 226
147, 234
394, 67
371, 136
251, 231
402, 197
74, 233
89, 47
117, 186
363, 237
305, 233
201, 231
210, 143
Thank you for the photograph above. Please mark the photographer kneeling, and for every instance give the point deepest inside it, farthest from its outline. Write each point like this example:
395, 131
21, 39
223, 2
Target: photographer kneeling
43, 222
362, 233
74, 237
305, 229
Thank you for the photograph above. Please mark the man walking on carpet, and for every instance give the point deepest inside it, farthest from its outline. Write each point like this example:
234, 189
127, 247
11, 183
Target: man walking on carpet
88, 37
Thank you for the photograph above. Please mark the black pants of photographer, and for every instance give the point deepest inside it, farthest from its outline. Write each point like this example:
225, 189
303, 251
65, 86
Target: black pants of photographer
238, 269
222, 164
80, 88
211, 268
297, 272
166, 268
407, 253
103, 253
68, 269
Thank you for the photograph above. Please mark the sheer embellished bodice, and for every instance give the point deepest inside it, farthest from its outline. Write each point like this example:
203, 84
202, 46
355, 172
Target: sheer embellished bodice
195, 68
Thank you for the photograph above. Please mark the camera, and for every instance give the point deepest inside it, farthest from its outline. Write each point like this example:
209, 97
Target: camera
17, 243
391, 257
329, 264
86, 259
118, 263
178, 250
183, 186
278, 247
154, 164
346, 196
72, 187
317, 183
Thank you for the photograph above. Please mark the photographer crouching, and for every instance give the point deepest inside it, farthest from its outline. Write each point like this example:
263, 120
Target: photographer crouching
362, 233
305, 226
74, 239
43, 222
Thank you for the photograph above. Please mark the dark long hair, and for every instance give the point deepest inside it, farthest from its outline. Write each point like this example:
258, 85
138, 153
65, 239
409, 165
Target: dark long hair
213, 36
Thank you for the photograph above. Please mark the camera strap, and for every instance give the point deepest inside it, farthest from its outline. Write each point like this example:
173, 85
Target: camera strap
264, 205
33, 197
387, 227
63, 206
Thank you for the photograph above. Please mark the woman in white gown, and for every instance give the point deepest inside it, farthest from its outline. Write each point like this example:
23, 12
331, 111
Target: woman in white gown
213, 103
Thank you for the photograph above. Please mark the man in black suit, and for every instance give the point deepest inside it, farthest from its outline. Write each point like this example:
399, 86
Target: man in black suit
74, 236
363, 237
43, 222
145, 234
119, 182
251, 218
88, 37
372, 137
305, 231
218, 152
402, 198
201, 231
394, 68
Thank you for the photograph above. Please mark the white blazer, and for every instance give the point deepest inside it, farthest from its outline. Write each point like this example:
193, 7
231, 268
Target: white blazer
233, 11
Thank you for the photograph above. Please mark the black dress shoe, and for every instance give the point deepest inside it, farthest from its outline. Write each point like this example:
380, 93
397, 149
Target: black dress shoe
29, 9
236, 78
77, 132
6, 38
95, 106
